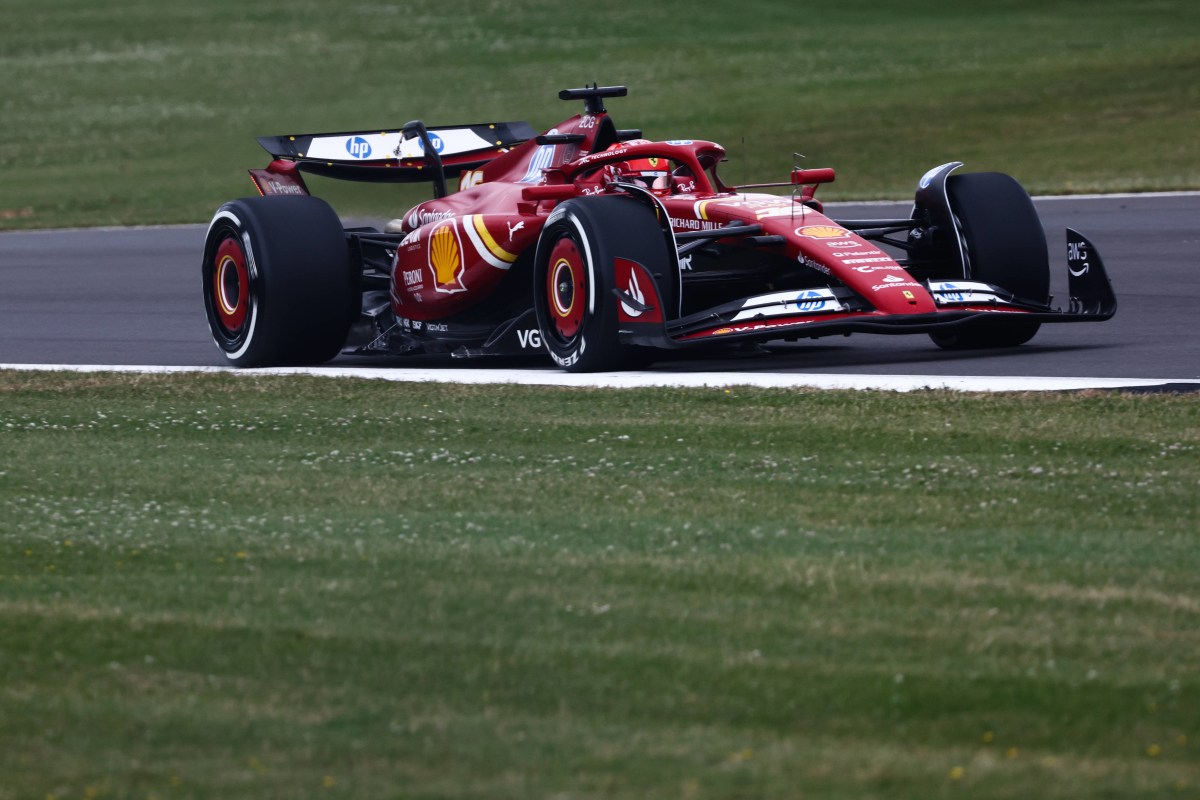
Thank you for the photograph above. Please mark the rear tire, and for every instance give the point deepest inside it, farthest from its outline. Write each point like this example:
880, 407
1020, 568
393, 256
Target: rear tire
278, 288
574, 275
1006, 246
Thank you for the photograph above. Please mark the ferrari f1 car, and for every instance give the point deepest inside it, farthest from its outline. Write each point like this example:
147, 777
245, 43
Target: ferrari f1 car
603, 249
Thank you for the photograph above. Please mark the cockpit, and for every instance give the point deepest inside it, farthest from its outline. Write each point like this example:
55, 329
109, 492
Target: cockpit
658, 174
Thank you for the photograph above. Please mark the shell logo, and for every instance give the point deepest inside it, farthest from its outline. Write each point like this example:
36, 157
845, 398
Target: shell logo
822, 232
722, 330
445, 257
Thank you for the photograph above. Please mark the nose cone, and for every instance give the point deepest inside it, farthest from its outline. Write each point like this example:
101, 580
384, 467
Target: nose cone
861, 265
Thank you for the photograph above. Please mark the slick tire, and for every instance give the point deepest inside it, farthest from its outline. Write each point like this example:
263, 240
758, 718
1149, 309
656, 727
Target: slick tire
982, 336
278, 288
1006, 246
574, 275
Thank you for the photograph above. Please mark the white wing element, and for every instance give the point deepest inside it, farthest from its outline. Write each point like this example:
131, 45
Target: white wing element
778, 304
955, 292
391, 145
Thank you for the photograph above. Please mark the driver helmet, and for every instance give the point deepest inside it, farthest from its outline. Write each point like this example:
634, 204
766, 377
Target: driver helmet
652, 173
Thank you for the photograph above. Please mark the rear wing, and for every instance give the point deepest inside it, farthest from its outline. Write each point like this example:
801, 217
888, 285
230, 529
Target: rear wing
388, 157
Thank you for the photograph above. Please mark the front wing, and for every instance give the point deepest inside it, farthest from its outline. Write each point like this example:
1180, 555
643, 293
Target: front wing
836, 311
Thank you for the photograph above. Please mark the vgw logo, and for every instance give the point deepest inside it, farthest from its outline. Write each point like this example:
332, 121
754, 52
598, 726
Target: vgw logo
530, 338
358, 147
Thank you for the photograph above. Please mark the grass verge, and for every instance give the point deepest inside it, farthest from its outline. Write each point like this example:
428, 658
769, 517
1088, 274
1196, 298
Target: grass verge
222, 587
145, 111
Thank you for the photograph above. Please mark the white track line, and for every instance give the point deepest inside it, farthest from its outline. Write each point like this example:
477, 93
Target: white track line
630, 380
1115, 195
1036, 198
831, 204
110, 228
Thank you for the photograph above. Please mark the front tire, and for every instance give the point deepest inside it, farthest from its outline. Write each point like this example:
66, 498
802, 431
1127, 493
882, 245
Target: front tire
982, 336
1005, 246
574, 275
278, 288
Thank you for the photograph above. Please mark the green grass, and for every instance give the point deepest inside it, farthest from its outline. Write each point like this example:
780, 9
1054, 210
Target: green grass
146, 111
228, 587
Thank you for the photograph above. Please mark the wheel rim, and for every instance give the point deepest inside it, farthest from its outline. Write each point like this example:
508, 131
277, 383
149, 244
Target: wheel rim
566, 288
230, 286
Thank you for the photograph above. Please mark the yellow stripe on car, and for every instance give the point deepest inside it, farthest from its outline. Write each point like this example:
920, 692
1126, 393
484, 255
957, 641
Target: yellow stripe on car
496, 250
701, 209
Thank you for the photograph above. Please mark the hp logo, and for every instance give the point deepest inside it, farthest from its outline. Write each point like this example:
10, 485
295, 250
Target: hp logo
358, 147
437, 142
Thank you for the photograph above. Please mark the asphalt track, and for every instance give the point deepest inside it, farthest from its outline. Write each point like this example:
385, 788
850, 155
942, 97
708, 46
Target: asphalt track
131, 296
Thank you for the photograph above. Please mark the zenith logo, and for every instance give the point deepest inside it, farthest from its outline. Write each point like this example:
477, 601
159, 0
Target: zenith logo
358, 147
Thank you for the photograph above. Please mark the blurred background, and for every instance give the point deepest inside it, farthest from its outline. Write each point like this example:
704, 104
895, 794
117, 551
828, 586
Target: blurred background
125, 113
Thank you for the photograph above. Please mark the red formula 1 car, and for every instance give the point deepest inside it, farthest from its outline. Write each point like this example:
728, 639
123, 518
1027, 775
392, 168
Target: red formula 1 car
602, 249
